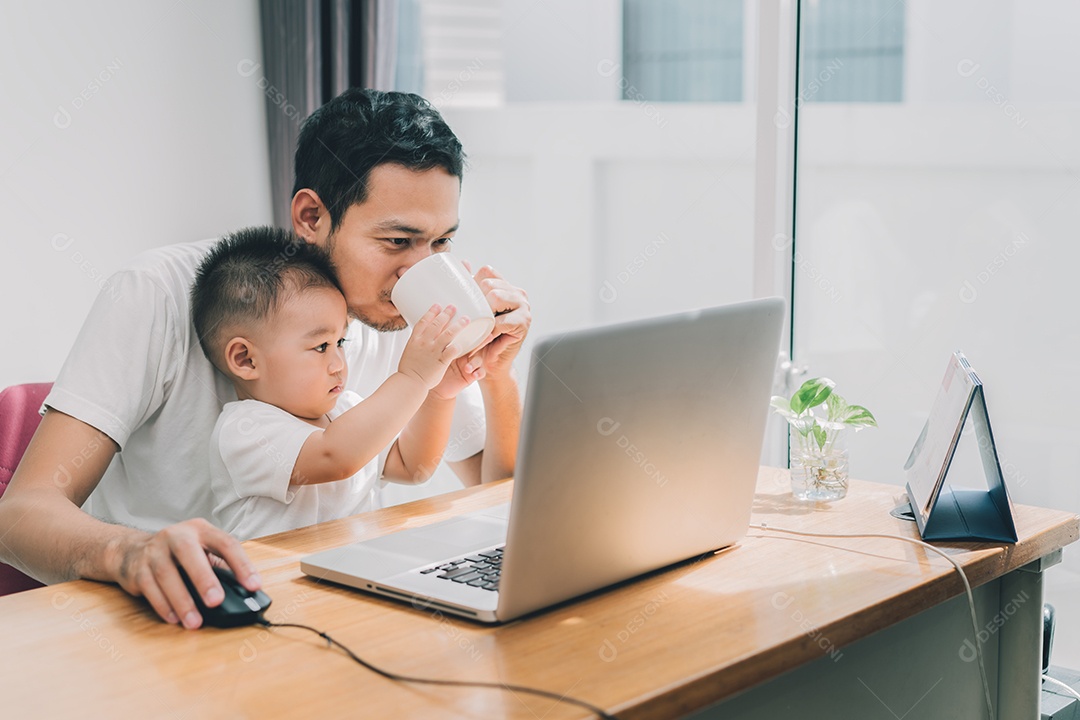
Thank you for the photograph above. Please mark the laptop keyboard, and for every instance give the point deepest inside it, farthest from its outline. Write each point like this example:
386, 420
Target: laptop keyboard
480, 569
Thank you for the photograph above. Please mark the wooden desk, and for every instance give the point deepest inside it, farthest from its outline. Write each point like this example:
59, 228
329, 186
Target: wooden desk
666, 646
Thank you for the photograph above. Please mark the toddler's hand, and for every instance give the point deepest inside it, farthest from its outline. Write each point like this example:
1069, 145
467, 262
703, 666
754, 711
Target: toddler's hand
430, 349
463, 372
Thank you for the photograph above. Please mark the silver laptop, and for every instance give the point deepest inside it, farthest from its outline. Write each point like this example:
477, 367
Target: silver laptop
639, 449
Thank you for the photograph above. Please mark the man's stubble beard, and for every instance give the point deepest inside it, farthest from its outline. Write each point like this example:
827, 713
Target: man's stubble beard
385, 326
394, 325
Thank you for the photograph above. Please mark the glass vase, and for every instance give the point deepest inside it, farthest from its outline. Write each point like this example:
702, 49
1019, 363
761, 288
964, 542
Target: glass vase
819, 472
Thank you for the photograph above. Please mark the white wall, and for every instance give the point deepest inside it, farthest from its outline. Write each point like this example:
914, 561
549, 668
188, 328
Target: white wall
609, 212
1026, 50
606, 212
126, 126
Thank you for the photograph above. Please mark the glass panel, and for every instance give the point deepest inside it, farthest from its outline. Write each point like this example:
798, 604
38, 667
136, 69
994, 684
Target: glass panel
941, 221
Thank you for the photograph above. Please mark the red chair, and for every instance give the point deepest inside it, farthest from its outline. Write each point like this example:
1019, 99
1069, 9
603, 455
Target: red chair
19, 419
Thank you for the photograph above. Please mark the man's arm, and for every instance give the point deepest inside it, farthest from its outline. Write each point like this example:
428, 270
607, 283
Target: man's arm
499, 388
50, 538
416, 453
502, 411
420, 447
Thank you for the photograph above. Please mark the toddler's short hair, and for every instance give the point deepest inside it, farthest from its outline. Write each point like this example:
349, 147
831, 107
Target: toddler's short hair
246, 276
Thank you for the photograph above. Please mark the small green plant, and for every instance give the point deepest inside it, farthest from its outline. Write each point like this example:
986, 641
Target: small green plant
839, 414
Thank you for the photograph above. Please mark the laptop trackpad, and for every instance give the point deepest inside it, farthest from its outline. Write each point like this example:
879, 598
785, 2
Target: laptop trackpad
389, 555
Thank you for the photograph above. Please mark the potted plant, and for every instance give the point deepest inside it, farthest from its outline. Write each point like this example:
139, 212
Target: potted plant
819, 455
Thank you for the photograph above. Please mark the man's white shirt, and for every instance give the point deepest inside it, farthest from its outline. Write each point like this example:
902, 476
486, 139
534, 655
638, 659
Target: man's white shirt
138, 374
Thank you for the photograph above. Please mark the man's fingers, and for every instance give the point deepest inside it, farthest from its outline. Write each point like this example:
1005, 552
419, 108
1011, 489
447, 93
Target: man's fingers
168, 581
509, 303
232, 552
501, 294
489, 279
503, 298
500, 344
151, 566
188, 549
470, 364
149, 589
515, 322
485, 273
474, 370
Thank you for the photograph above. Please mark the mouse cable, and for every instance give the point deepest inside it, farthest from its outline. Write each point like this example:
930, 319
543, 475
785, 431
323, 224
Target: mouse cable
928, 546
1063, 686
436, 681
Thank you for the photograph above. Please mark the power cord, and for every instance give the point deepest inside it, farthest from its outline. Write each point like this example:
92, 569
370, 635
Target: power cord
436, 681
928, 546
1062, 685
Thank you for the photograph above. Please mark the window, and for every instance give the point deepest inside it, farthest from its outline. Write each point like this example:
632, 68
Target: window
683, 50
851, 51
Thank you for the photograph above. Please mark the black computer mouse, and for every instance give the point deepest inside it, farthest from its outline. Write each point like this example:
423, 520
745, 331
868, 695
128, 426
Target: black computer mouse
240, 606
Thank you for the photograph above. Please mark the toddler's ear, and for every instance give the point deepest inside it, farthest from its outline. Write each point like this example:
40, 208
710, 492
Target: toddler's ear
240, 358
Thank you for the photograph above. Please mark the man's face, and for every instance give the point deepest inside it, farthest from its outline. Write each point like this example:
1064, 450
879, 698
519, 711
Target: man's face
407, 216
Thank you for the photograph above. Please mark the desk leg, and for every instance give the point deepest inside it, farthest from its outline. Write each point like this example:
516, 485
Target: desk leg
922, 668
1019, 641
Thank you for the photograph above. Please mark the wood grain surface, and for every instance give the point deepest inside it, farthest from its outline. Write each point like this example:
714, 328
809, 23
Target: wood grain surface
658, 647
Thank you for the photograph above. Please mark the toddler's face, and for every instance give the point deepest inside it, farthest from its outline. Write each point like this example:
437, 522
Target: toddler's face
303, 365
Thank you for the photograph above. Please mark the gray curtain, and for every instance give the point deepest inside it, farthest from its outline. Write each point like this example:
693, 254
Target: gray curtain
312, 51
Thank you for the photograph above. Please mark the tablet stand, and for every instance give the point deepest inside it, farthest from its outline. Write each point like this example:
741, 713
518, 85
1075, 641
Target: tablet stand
941, 511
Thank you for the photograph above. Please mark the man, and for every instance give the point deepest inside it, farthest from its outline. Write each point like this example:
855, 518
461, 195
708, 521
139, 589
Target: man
378, 177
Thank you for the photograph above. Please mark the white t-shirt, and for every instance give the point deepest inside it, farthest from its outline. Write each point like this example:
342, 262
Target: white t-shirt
253, 451
138, 374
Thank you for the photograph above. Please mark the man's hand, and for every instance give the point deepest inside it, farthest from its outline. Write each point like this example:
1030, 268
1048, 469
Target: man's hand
147, 566
49, 537
513, 317
464, 371
502, 400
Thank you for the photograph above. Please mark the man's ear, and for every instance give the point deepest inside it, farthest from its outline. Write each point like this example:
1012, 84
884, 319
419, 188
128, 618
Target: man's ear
310, 218
240, 359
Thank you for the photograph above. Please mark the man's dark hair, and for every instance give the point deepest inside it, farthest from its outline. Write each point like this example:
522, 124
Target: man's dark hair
246, 276
342, 141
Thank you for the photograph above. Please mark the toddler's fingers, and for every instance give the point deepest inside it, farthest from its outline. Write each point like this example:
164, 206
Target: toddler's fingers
426, 318
450, 352
439, 322
447, 314
451, 347
434, 322
449, 326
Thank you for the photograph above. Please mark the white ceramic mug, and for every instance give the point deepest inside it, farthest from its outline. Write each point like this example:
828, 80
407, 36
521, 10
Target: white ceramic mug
442, 279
